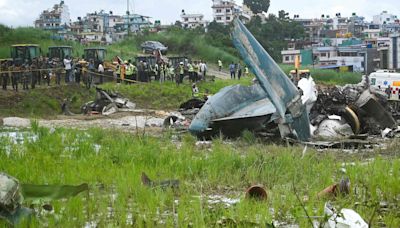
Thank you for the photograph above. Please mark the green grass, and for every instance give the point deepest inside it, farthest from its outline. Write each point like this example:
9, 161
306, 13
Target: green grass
193, 44
68, 157
328, 77
46, 102
180, 42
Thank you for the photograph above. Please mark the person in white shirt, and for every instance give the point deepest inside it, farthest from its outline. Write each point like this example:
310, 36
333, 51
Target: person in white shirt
100, 70
68, 69
203, 69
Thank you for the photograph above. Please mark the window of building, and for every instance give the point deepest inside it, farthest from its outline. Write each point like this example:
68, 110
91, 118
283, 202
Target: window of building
219, 18
218, 11
287, 58
228, 18
186, 19
323, 54
228, 10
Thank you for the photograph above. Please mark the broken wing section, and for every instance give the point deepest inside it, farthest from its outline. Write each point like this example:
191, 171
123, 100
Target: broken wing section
280, 90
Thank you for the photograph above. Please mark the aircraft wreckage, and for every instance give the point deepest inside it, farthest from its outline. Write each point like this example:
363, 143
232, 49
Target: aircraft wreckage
274, 99
274, 104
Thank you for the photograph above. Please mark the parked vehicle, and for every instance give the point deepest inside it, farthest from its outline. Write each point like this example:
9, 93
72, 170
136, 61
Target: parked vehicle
151, 46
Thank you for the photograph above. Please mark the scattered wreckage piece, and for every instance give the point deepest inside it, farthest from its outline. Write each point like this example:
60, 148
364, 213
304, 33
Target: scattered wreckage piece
351, 142
13, 194
362, 107
272, 99
192, 104
37, 193
341, 188
107, 103
256, 192
373, 109
165, 184
344, 218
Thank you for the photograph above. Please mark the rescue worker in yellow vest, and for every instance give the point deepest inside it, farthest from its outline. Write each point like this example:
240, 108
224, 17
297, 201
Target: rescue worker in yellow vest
134, 72
246, 71
181, 71
129, 71
196, 72
171, 73
195, 91
191, 72
118, 71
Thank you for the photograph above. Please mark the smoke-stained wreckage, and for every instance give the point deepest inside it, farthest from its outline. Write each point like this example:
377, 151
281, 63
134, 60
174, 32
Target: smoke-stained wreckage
298, 112
273, 99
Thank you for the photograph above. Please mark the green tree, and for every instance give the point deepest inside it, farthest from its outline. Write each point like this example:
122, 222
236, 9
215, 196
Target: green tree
275, 32
282, 15
257, 6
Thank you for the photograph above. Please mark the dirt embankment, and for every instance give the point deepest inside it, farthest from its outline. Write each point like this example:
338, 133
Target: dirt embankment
43, 101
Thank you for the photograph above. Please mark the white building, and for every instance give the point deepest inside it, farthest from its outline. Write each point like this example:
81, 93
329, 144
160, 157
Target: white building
289, 56
224, 11
372, 33
193, 20
384, 18
55, 19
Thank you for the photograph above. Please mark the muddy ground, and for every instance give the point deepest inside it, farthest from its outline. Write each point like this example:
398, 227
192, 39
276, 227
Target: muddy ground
137, 121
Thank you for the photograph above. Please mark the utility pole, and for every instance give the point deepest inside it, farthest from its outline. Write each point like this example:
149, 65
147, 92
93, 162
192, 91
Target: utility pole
127, 17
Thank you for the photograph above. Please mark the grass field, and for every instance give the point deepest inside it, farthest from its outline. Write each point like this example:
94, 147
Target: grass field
111, 163
46, 101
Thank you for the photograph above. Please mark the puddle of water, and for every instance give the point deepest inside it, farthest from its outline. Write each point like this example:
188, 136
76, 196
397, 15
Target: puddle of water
16, 137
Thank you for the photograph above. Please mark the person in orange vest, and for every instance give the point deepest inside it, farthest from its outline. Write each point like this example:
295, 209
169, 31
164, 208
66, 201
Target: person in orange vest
123, 70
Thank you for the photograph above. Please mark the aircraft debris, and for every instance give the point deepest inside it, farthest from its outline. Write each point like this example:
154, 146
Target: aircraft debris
13, 194
107, 103
344, 218
256, 192
362, 107
341, 188
146, 181
272, 99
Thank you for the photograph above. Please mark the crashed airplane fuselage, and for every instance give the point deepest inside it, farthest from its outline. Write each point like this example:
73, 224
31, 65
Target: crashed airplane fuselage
273, 99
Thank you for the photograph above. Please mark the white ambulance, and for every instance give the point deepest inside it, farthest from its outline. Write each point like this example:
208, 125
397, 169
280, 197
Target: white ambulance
383, 79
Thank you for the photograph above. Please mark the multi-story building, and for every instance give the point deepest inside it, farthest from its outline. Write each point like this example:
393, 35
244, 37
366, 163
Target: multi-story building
350, 54
107, 27
193, 20
313, 28
224, 11
383, 44
56, 19
384, 18
357, 25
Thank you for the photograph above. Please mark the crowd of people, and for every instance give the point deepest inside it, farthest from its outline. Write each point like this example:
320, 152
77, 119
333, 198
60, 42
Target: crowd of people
235, 69
160, 71
43, 70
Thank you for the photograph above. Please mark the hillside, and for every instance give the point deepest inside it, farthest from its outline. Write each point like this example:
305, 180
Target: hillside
180, 42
